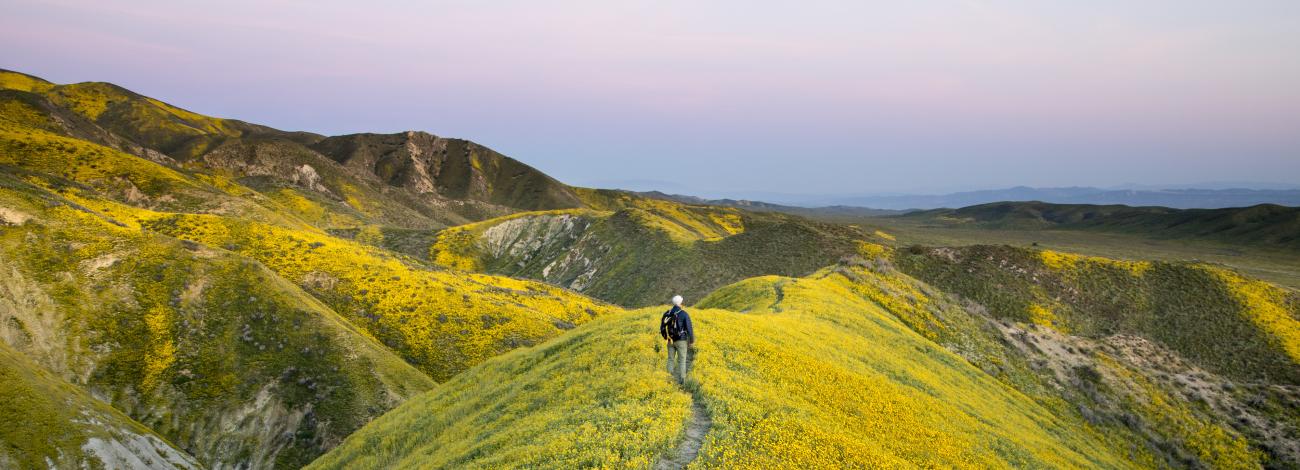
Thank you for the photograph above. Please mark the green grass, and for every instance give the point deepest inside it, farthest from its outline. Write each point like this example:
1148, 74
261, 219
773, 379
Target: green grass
1276, 265
51, 420
179, 336
22, 82
146, 121
1267, 225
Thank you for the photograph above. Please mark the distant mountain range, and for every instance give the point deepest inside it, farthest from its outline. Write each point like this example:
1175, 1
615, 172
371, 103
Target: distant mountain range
1265, 224
1173, 198
760, 206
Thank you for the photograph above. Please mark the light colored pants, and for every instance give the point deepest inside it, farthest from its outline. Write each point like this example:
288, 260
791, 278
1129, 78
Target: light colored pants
677, 354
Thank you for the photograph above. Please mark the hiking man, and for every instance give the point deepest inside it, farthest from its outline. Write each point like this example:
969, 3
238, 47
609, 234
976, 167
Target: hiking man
675, 327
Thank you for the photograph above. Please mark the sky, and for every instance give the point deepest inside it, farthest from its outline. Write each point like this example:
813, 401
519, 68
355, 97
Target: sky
726, 98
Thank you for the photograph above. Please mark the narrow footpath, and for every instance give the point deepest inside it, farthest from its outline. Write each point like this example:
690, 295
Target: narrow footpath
690, 445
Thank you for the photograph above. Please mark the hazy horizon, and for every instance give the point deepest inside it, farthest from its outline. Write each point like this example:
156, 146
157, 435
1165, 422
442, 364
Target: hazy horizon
732, 98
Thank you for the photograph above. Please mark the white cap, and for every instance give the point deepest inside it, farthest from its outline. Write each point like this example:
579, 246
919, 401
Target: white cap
677, 300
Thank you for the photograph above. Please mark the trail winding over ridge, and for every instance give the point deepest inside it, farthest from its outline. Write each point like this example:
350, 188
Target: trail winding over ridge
691, 442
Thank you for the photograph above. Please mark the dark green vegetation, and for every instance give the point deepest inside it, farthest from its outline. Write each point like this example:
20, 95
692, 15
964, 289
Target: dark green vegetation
1271, 262
180, 290
1265, 224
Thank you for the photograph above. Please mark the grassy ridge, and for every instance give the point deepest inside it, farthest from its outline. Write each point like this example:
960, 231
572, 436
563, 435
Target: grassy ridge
456, 169
680, 222
856, 365
151, 123
23, 82
1272, 264
406, 180
72, 165
561, 405
646, 252
832, 380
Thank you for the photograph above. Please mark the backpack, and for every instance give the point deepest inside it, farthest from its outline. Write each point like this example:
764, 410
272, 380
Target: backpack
673, 324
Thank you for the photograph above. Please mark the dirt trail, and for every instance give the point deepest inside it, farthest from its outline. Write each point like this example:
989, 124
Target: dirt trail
779, 287
690, 445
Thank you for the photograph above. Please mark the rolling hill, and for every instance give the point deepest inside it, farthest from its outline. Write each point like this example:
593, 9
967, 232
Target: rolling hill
635, 251
857, 365
184, 291
410, 179
227, 317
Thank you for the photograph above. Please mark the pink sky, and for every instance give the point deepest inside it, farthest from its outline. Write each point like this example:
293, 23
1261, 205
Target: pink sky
722, 97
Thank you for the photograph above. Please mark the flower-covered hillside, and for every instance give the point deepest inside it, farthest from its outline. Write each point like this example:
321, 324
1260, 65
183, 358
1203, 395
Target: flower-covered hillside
206, 348
593, 398
855, 366
441, 321
1241, 328
646, 252
1079, 391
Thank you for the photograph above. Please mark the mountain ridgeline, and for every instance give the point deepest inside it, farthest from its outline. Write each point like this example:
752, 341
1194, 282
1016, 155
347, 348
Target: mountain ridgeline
1218, 196
184, 291
1267, 225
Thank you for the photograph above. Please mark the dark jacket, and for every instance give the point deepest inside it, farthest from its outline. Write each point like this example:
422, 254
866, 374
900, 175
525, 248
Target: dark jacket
684, 318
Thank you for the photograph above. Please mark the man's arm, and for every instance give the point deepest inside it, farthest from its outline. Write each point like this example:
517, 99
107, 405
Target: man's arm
690, 328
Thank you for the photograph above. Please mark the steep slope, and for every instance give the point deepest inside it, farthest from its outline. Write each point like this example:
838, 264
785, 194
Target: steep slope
471, 316
407, 180
1265, 224
153, 124
210, 350
64, 427
196, 338
318, 190
1201, 333
642, 251
1225, 323
454, 168
590, 398
440, 321
849, 367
